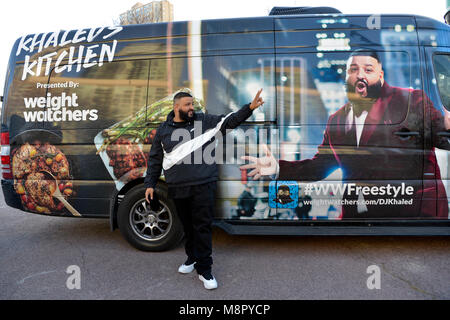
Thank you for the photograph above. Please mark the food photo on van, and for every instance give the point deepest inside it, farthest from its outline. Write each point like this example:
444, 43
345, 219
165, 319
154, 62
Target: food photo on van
352, 139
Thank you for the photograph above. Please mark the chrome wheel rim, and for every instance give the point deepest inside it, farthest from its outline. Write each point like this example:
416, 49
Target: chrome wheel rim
150, 225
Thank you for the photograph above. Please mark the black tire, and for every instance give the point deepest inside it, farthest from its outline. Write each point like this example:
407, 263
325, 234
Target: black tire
145, 229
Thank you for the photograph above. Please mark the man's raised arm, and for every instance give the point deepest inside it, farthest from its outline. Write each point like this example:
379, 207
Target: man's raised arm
234, 119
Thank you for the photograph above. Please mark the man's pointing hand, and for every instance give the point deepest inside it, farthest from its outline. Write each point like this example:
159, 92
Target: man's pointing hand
257, 101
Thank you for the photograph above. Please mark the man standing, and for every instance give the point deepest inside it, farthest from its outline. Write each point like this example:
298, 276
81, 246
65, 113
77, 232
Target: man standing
192, 181
376, 138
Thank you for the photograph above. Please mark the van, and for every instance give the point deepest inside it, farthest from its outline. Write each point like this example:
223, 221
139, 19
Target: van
355, 118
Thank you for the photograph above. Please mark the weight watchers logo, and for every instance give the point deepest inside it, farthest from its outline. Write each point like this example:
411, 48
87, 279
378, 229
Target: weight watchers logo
57, 108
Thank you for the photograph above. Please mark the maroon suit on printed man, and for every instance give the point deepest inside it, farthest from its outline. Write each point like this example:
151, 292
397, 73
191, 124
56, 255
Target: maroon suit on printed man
383, 157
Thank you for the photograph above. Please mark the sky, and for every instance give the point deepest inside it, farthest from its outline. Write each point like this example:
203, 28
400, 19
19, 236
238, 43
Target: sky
24, 17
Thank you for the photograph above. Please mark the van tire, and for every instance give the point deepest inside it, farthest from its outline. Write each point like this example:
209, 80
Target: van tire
158, 231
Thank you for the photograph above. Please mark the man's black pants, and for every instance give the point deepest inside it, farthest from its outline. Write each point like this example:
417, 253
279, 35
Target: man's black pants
195, 208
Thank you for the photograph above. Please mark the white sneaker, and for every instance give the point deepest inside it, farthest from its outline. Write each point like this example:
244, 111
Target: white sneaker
208, 284
186, 268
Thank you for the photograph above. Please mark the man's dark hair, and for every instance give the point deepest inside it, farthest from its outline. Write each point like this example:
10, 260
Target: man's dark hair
180, 95
367, 53
284, 188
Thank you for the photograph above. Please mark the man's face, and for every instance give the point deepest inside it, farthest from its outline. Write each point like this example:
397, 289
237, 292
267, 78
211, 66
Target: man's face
283, 193
185, 107
364, 77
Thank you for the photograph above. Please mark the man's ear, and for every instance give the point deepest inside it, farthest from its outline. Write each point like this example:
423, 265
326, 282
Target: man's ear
382, 77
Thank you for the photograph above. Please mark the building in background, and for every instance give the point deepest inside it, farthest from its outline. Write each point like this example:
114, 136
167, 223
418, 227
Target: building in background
155, 11
447, 15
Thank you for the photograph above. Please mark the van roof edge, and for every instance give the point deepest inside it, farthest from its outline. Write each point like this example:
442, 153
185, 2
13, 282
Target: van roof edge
276, 11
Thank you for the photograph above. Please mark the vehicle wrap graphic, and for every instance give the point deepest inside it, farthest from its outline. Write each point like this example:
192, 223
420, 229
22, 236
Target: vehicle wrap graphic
347, 140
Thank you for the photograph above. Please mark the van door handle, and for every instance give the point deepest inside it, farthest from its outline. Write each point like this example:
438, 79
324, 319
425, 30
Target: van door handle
407, 134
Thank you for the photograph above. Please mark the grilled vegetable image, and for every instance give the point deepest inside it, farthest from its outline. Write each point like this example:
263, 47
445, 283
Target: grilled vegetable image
134, 127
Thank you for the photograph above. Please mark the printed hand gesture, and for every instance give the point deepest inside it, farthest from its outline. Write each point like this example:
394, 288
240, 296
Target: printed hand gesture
446, 119
257, 101
264, 166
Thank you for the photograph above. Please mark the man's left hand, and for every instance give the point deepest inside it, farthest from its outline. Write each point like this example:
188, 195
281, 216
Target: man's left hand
257, 101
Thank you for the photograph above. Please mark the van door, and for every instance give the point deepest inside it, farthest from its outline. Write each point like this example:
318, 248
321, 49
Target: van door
237, 60
102, 110
351, 109
437, 60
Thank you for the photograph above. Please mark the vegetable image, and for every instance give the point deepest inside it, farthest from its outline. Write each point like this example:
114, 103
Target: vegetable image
134, 127
123, 146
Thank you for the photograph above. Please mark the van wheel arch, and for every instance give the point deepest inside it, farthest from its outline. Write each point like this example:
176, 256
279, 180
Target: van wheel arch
116, 198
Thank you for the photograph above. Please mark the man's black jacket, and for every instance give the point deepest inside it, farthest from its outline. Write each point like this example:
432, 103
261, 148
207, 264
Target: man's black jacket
179, 170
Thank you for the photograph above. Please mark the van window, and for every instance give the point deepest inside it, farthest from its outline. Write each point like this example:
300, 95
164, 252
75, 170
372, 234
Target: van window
228, 83
22, 103
442, 73
236, 80
100, 96
167, 76
312, 86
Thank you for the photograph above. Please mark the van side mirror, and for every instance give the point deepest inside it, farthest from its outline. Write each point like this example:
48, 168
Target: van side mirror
447, 17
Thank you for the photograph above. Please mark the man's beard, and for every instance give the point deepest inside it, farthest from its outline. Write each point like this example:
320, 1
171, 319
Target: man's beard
185, 115
285, 199
363, 103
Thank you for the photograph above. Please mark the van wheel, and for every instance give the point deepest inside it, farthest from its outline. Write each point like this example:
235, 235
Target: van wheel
145, 229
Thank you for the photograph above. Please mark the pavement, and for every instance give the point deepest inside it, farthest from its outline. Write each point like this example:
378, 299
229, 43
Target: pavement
43, 257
